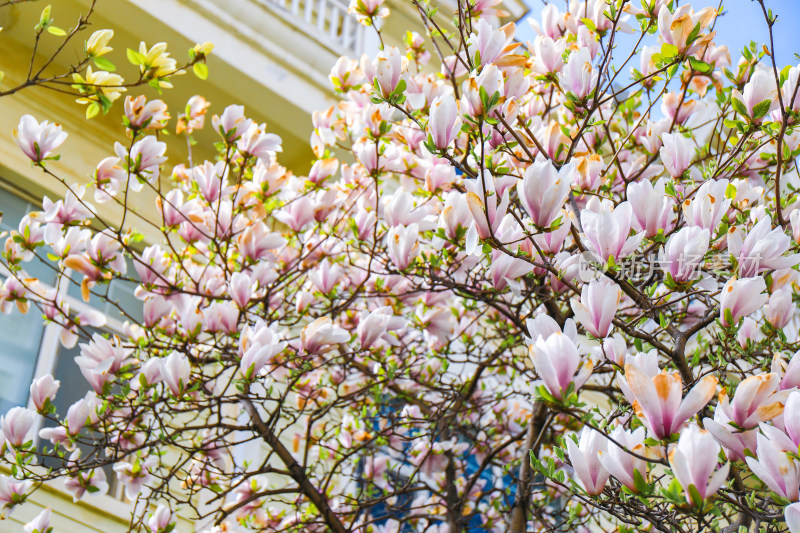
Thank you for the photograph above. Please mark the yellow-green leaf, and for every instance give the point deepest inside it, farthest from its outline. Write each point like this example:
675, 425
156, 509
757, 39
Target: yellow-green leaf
55, 30
93, 110
200, 70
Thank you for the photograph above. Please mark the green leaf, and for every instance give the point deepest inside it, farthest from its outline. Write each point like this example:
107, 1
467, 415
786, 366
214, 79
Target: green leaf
589, 23
739, 107
135, 57
55, 30
700, 66
104, 64
639, 482
93, 110
761, 109
697, 500
200, 70
668, 51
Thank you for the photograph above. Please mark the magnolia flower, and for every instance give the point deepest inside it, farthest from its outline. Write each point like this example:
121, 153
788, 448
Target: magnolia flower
694, 461
93, 481
403, 245
375, 325
133, 476
708, 205
258, 346
160, 520
760, 95
740, 297
676, 153
548, 55
556, 361
677, 27
11, 492
321, 335
38, 139
585, 459
43, 390
779, 310
608, 231
232, 124
17, 424
792, 516
543, 190
176, 371
487, 43
40, 524
97, 44
143, 114
444, 122
387, 70
685, 251
738, 444
762, 249
776, 469
597, 307
578, 78
619, 462
754, 402
255, 143
658, 399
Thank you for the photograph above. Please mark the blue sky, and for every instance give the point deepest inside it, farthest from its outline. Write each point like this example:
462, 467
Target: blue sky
742, 23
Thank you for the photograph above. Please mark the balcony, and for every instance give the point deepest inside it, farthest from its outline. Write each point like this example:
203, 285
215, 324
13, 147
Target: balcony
327, 21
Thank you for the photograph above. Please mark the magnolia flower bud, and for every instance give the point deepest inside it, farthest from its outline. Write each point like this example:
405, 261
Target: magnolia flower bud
96, 46
43, 390
444, 122
694, 460
17, 424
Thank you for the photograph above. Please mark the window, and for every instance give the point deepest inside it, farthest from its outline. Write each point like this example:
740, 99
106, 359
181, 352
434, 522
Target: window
31, 348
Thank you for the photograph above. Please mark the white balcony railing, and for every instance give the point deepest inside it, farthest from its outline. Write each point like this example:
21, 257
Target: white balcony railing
325, 20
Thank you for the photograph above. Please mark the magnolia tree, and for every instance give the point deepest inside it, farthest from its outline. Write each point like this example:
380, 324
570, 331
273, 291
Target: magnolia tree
531, 286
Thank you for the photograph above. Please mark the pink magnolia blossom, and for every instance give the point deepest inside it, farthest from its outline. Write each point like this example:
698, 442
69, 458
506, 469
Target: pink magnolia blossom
387, 69
658, 399
760, 94
403, 245
792, 516
17, 424
707, 206
585, 459
160, 520
176, 371
376, 325
11, 491
43, 390
321, 335
547, 55
258, 346
738, 444
597, 307
37, 140
755, 401
543, 190
608, 231
40, 524
676, 153
143, 114
255, 143
779, 472
694, 462
618, 460
232, 124
558, 364
740, 297
685, 252
92, 481
487, 211
444, 122
487, 43
676, 28
779, 310
578, 78
762, 249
